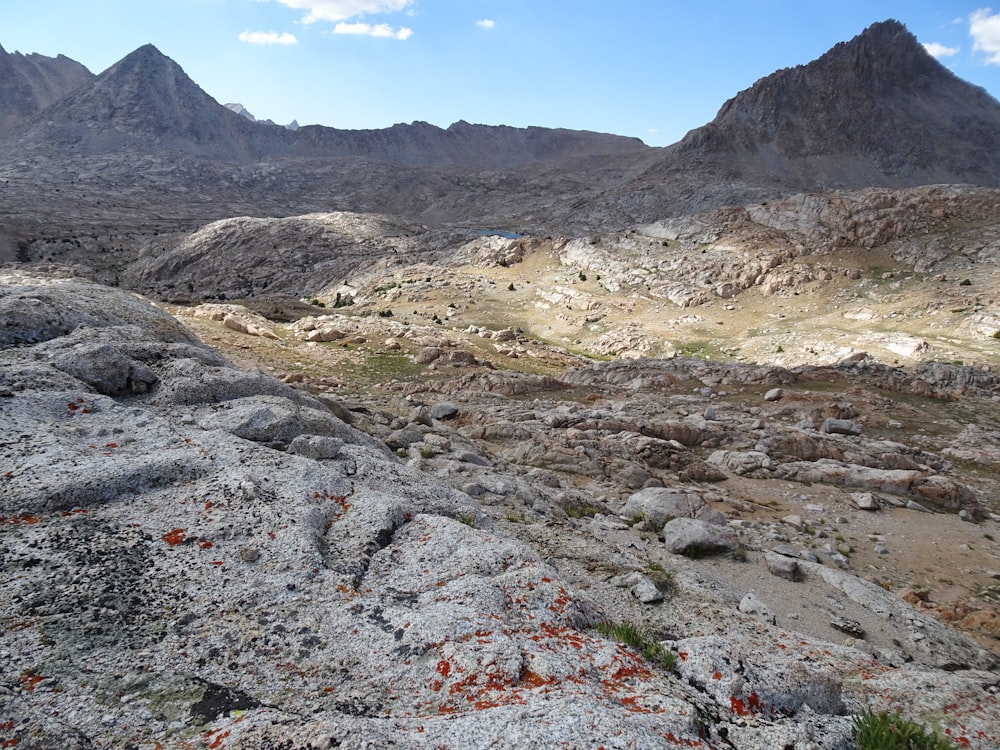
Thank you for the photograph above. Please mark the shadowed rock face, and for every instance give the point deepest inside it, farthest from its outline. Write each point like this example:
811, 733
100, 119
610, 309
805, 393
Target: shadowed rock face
875, 111
30, 83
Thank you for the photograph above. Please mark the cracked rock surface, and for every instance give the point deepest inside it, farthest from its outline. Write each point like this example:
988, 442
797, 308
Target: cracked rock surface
198, 556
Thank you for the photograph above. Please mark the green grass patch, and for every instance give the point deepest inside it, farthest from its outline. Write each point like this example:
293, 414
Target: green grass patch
883, 731
380, 367
637, 639
584, 510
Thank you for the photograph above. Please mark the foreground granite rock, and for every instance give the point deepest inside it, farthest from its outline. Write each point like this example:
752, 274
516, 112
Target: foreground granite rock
197, 556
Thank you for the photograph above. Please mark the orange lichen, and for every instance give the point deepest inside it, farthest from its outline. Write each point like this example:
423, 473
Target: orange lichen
30, 681
17, 520
174, 537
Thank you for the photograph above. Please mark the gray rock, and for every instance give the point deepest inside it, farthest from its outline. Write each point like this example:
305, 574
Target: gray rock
851, 627
105, 369
750, 604
317, 447
444, 410
864, 501
728, 671
840, 427
775, 394
657, 505
404, 438
640, 586
741, 462
468, 457
695, 538
795, 521
782, 566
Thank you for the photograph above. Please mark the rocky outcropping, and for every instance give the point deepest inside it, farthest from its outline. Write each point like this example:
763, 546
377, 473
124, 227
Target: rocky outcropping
195, 554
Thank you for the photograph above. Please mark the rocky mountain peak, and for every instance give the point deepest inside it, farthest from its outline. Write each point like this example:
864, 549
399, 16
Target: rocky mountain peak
30, 83
880, 94
145, 100
877, 110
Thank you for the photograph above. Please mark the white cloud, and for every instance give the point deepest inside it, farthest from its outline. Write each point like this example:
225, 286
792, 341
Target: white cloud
267, 37
486, 23
382, 30
939, 50
341, 10
984, 28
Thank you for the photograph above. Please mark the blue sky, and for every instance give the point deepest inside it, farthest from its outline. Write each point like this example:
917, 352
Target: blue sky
653, 69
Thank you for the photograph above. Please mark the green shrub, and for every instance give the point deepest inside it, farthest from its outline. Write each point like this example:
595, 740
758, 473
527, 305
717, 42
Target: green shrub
883, 731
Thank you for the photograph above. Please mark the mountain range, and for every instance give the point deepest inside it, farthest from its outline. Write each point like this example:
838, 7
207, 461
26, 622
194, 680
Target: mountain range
142, 139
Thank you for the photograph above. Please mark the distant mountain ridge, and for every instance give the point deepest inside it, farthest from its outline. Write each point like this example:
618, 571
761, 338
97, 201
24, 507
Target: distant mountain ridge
147, 102
876, 111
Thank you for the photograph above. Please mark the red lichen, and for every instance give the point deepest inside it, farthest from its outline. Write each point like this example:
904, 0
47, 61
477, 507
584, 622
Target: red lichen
174, 537
444, 668
204, 543
745, 707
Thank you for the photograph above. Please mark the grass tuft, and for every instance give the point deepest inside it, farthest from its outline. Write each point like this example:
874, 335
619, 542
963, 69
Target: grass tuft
637, 639
883, 731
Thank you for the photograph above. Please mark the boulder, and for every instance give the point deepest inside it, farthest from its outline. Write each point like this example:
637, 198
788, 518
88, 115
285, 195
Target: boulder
657, 505
695, 538
741, 462
444, 410
782, 566
840, 426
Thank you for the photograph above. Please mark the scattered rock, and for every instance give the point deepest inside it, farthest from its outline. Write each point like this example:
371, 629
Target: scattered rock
840, 427
782, 566
657, 505
444, 410
696, 538
864, 501
851, 627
